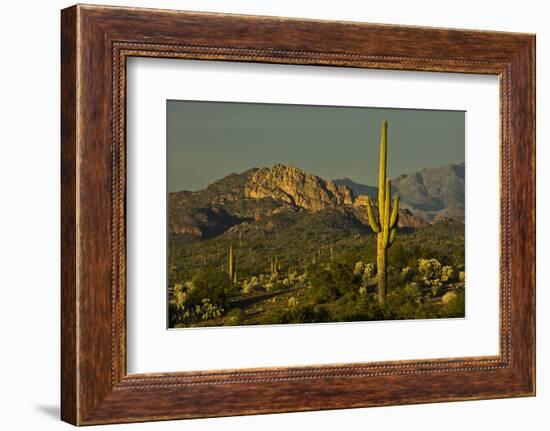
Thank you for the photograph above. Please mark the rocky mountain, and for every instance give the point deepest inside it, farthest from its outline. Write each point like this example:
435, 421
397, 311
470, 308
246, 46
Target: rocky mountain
430, 193
267, 198
297, 188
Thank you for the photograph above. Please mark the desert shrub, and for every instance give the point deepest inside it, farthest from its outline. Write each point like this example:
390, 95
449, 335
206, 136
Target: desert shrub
180, 308
180, 293
197, 300
174, 315
321, 313
206, 310
209, 284
430, 310
446, 273
455, 306
299, 314
363, 270
292, 302
331, 282
275, 287
367, 278
358, 269
275, 317
253, 285
287, 282
407, 274
434, 275
322, 288
399, 255
369, 271
302, 278
235, 317
403, 302
352, 308
429, 269
448, 297
436, 288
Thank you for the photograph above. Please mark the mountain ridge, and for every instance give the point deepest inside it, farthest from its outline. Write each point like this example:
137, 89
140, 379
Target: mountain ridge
265, 194
429, 193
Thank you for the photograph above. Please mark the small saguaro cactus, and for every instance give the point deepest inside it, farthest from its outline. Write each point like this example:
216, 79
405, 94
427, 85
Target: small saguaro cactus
386, 223
274, 270
231, 265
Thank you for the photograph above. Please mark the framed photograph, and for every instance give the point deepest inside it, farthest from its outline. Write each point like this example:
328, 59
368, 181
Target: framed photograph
266, 215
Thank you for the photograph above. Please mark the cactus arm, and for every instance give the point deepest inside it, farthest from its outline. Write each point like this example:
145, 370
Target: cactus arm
375, 226
386, 222
392, 236
394, 213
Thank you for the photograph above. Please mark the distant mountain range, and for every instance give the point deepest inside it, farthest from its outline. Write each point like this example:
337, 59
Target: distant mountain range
269, 198
430, 193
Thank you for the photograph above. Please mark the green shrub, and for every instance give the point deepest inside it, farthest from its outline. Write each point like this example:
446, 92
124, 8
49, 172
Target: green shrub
203, 298
430, 310
407, 274
352, 308
455, 307
275, 287
292, 302
235, 317
404, 302
299, 314
398, 255
209, 284
358, 269
434, 275
253, 285
331, 282
206, 310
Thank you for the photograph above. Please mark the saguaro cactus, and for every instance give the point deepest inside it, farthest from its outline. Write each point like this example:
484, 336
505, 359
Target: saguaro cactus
386, 223
275, 266
231, 265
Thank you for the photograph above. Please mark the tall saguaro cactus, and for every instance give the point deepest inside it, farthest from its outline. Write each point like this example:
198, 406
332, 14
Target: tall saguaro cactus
386, 223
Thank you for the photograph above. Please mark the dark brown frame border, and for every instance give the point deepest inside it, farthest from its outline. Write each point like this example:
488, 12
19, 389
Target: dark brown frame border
95, 43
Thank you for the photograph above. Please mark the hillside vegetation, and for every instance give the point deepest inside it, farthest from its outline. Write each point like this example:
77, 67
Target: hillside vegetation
278, 245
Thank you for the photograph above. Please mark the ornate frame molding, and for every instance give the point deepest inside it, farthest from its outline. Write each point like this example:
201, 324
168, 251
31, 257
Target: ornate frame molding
96, 41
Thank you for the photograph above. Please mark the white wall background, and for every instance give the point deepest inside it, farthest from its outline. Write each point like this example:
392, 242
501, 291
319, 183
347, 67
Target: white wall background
29, 215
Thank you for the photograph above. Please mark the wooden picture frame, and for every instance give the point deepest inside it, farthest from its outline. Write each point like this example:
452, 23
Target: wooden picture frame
95, 43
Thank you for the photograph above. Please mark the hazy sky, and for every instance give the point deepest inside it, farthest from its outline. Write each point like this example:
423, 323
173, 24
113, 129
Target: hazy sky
209, 140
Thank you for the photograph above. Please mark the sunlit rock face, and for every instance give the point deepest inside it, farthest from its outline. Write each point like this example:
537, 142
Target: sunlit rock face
293, 186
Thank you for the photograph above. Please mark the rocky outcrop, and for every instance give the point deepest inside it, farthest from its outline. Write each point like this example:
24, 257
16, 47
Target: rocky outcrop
186, 229
295, 187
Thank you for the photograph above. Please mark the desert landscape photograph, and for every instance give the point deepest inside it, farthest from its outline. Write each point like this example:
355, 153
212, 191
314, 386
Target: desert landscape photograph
301, 214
